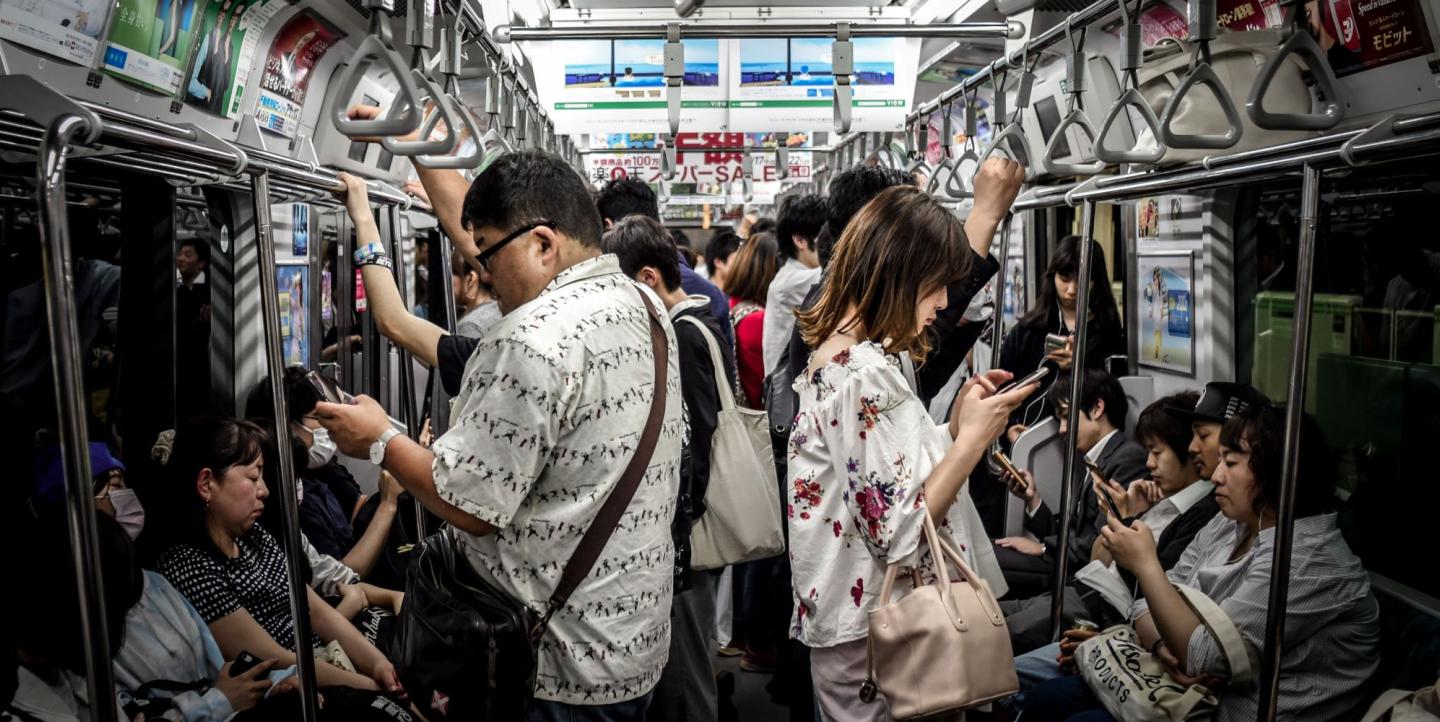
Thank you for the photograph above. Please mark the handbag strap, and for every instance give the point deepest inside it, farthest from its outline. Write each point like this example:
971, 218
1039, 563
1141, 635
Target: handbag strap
599, 531
722, 388
1238, 654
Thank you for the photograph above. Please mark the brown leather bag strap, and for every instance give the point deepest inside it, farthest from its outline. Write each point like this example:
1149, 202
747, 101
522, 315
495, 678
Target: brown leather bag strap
598, 534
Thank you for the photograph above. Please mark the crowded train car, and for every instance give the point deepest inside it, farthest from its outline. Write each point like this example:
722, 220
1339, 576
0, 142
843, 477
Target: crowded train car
541, 360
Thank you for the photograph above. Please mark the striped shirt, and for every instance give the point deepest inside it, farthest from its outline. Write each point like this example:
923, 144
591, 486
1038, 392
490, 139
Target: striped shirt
552, 404
1331, 622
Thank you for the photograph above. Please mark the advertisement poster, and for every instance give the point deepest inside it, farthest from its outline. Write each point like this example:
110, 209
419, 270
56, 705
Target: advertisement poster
290, 282
702, 176
1015, 304
600, 86
936, 140
789, 82
67, 29
1147, 218
300, 229
293, 56
1161, 21
1359, 35
224, 51
1167, 320
151, 41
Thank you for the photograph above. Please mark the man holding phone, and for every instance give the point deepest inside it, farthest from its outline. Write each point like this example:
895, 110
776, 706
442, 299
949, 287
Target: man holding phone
1028, 564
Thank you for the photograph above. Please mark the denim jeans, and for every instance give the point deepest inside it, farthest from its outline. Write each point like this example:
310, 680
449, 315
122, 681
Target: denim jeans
629, 711
1067, 699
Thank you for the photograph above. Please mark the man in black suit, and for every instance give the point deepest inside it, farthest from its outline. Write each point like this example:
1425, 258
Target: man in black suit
1028, 564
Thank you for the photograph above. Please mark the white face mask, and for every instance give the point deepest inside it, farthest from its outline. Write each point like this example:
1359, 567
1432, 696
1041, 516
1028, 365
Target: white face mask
322, 448
128, 512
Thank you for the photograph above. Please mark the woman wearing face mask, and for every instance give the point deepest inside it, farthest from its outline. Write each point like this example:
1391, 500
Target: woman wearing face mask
232, 569
1024, 347
330, 499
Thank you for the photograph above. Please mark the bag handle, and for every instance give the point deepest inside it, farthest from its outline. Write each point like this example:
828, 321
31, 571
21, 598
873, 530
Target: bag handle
1238, 654
596, 536
722, 389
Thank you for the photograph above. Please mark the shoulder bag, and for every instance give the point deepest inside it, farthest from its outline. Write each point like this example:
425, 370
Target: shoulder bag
466, 650
742, 520
1133, 684
1400, 706
936, 649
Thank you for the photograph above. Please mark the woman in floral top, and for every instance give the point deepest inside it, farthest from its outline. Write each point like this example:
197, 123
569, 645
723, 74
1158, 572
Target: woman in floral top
865, 458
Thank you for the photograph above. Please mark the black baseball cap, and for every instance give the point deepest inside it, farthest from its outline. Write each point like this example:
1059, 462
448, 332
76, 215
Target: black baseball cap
1220, 401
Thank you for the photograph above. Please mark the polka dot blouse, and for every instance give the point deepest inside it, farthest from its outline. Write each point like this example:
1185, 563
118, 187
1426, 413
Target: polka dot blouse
254, 581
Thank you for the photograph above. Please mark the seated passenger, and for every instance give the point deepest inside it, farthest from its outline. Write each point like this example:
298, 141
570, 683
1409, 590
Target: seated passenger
331, 499
1331, 628
231, 569
859, 420
686, 690
1029, 565
49, 643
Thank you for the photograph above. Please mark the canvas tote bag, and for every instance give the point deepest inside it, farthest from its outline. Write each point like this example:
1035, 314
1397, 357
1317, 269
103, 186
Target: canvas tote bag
742, 521
1133, 684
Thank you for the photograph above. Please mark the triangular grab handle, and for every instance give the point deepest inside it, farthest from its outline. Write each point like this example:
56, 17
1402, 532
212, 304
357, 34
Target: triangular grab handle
1131, 98
373, 49
1080, 119
455, 162
1201, 74
1331, 112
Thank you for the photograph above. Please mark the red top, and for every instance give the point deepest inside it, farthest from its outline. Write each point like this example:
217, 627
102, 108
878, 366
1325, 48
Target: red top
749, 355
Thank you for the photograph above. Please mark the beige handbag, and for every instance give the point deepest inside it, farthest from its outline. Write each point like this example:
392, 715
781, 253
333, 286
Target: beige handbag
938, 648
1401, 706
1134, 686
742, 520
1236, 58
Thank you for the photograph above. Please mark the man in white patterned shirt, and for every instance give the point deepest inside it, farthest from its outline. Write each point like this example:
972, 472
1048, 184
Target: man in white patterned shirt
551, 407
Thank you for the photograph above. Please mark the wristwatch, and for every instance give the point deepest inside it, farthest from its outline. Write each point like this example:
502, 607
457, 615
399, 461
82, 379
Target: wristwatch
377, 449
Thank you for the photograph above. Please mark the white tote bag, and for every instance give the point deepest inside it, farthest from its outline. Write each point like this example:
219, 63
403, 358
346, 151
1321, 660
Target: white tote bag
742, 521
1133, 685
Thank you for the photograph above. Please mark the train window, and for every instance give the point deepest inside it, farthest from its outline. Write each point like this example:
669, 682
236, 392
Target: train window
1374, 366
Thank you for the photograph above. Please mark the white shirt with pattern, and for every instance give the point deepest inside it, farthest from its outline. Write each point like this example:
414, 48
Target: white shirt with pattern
860, 451
549, 413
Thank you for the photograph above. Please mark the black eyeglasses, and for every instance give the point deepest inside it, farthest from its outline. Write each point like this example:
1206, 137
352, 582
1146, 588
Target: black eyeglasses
483, 258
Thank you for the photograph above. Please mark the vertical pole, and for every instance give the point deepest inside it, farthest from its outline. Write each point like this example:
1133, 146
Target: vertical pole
344, 305
997, 336
64, 326
407, 370
1294, 408
448, 320
1068, 491
294, 554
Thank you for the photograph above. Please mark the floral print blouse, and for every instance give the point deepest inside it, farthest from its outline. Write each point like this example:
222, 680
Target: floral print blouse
860, 450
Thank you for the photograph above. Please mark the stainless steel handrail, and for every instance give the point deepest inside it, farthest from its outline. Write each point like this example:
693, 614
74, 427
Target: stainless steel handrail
1009, 29
289, 505
62, 319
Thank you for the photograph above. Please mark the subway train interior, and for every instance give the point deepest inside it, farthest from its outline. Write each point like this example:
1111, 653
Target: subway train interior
224, 222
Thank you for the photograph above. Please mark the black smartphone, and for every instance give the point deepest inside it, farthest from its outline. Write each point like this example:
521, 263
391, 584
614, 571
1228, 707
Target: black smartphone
243, 663
1034, 376
327, 389
1105, 493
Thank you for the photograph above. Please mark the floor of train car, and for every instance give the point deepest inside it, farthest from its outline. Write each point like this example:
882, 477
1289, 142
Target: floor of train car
752, 702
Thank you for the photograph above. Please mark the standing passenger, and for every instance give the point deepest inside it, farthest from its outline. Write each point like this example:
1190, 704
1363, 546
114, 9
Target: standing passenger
752, 268
865, 459
799, 225
552, 402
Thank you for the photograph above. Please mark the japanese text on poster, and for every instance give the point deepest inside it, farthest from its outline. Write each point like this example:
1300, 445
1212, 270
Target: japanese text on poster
68, 29
229, 31
293, 56
150, 42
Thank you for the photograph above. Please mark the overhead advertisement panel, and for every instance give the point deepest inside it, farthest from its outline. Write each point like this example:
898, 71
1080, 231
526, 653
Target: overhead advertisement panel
787, 84
701, 175
618, 86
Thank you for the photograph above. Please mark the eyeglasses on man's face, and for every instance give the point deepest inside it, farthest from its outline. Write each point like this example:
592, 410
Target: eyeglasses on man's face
485, 256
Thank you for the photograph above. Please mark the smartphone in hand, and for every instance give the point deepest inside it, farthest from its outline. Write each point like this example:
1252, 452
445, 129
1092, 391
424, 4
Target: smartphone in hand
243, 663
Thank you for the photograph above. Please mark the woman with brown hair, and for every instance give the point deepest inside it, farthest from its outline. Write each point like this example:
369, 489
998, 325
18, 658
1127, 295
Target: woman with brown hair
751, 270
865, 460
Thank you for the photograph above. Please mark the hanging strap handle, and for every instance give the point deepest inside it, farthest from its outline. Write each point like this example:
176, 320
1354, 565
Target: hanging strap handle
1204, 27
376, 47
1299, 42
1077, 117
1133, 59
600, 529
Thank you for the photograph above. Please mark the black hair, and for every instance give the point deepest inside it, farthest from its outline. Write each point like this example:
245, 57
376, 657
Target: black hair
529, 186
624, 197
216, 443
765, 224
722, 245
1066, 262
1260, 430
849, 192
639, 241
201, 246
300, 397
1097, 386
50, 606
1156, 423
799, 216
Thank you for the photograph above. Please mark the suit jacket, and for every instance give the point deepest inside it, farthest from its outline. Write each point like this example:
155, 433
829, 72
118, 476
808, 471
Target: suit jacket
1123, 460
